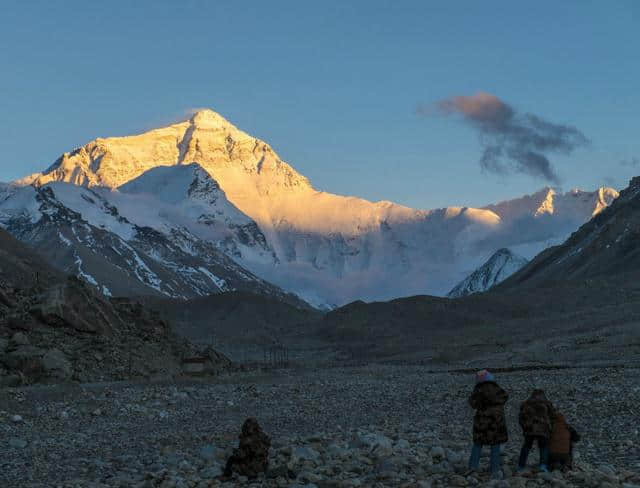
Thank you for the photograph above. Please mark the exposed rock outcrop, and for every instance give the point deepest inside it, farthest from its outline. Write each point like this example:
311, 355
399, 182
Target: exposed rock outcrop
60, 329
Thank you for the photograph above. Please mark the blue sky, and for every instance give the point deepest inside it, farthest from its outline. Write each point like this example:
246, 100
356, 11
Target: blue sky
333, 86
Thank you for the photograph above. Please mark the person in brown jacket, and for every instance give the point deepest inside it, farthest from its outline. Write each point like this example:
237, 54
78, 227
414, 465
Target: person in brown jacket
536, 420
561, 444
489, 423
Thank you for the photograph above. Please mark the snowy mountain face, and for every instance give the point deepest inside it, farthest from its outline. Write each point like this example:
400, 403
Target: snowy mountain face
498, 268
81, 232
223, 187
603, 249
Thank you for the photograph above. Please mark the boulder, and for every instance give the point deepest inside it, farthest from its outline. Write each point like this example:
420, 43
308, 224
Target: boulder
302, 453
19, 339
56, 364
6, 300
17, 443
23, 358
74, 306
376, 444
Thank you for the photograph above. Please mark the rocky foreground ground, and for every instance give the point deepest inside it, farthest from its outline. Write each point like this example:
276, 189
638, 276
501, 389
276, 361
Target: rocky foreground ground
343, 427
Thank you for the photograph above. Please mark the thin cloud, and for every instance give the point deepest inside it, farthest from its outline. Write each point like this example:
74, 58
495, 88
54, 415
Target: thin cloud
512, 142
631, 163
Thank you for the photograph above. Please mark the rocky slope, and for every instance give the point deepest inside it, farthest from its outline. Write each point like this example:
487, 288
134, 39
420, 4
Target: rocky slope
239, 324
55, 329
604, 247
327, 248
359, 427
81, 232
502, 264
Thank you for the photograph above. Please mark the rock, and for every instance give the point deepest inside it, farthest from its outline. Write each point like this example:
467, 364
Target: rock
548, 477
337, 451
17, 443
457, 480
56, 364
16, 419
402, 445
608, 470
304, 453
208, 452
211, 472
19, 339
251, 457
377, 445
278, 471
26, 359
70, 305
437, 453
453, 457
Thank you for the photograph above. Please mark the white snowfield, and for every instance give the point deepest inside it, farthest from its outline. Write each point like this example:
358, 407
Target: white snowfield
226, 187
498, 268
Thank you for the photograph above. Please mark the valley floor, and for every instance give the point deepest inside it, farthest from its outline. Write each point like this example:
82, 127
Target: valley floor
367, 426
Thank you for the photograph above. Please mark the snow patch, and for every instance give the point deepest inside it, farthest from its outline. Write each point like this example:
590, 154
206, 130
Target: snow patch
219, 282
87, 277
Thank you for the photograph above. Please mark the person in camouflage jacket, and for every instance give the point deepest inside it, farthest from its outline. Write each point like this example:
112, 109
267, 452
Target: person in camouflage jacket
489, 423
536, 419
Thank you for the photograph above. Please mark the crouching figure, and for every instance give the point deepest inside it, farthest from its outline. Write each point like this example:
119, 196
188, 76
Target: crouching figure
563, 437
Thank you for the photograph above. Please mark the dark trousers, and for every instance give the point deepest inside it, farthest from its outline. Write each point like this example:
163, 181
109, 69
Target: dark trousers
543, 446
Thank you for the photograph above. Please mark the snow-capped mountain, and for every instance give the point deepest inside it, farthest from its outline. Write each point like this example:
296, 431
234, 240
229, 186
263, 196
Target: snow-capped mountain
498, 267
329, 249
603, 252
79, 231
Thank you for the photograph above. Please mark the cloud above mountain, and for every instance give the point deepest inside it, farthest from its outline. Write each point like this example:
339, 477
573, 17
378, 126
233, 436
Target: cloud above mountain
512, 142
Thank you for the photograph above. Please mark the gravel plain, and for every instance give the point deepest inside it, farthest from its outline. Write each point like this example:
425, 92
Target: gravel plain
340, 427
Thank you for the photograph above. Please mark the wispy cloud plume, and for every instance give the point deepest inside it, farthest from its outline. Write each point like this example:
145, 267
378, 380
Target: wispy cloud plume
512, 142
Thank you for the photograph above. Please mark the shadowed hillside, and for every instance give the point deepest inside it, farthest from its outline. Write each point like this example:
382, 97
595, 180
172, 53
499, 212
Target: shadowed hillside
238, 323
605, 248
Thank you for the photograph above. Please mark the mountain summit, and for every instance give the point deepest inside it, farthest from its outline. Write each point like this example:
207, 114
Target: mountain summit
497, 268
240, 197
208, 119
206, 138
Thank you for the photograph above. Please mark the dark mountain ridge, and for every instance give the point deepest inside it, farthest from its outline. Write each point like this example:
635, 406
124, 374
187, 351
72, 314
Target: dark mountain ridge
605, 247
